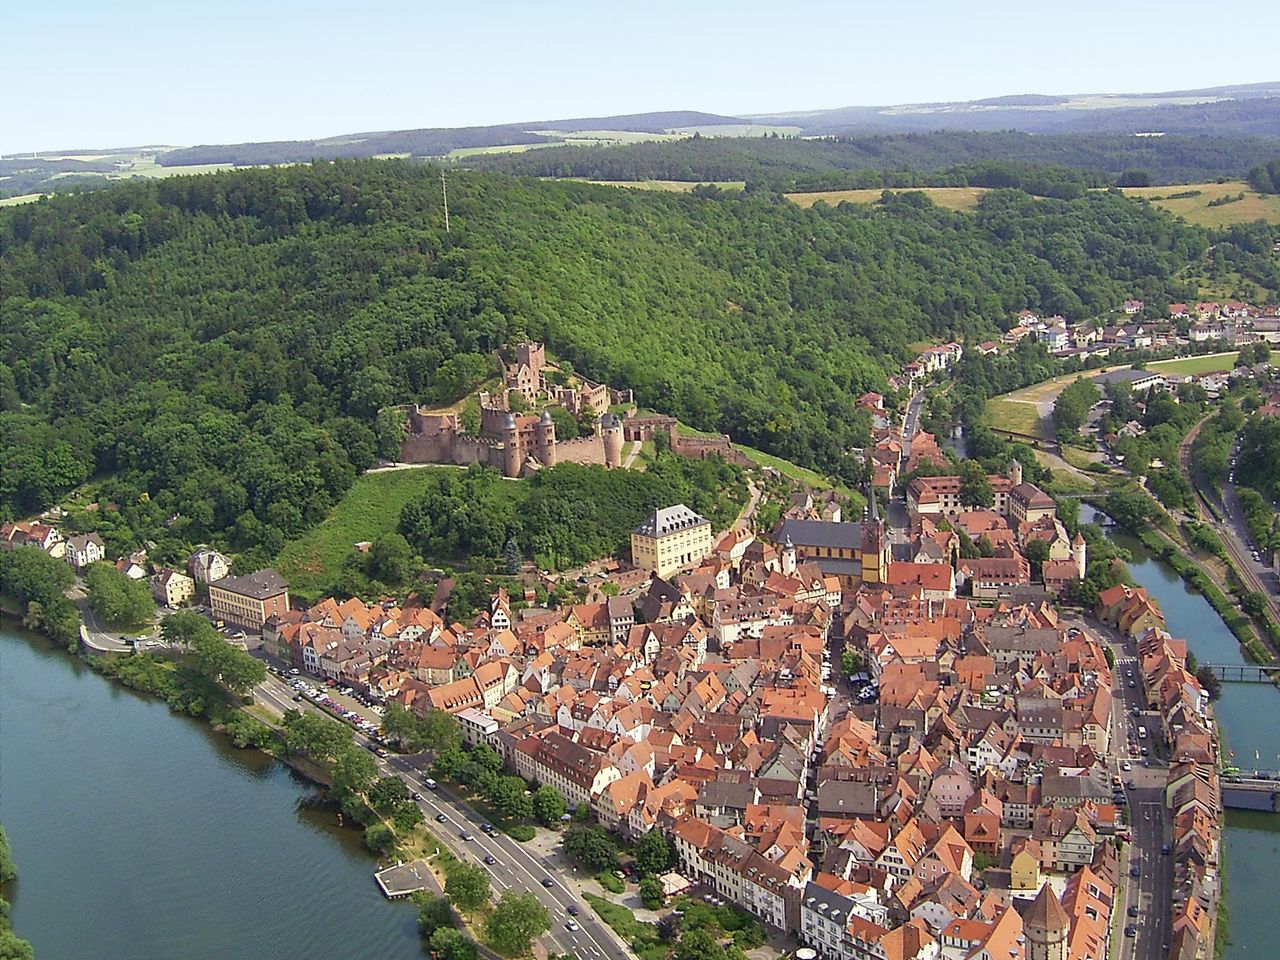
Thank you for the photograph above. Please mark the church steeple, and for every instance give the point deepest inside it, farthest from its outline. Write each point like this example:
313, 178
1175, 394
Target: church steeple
875, 545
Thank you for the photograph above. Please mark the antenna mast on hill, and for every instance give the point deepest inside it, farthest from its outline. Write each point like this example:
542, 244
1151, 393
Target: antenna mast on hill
444, 190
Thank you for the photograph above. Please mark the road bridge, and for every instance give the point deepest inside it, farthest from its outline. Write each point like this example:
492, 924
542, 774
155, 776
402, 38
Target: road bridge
1245, 672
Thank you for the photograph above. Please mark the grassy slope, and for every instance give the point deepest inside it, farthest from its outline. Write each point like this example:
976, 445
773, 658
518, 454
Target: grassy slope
784, 467
370, 508
1255, 206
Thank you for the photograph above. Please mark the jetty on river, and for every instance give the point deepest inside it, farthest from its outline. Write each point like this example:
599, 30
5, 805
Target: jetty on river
405, 878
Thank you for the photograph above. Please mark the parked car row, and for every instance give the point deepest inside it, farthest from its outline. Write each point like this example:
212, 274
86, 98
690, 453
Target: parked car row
319, 696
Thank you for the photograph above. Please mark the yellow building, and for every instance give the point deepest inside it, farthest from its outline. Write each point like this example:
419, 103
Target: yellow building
1024, 867
249, 601
670, 539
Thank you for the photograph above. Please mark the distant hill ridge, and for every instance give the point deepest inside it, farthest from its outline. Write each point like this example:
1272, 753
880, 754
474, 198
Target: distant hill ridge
433, 142
1240, 110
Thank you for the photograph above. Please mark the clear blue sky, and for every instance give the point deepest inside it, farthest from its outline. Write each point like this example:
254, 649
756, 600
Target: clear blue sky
125, 72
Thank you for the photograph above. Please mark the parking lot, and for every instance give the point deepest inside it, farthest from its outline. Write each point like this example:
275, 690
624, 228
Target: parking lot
341, 701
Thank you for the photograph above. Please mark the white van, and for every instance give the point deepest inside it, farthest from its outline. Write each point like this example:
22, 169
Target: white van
429, 783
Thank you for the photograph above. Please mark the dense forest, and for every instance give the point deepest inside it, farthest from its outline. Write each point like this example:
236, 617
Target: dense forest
899, 160
214, 351
1265, 177
564, 516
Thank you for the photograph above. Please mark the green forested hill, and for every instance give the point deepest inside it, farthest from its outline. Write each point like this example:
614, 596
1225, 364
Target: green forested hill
219, 346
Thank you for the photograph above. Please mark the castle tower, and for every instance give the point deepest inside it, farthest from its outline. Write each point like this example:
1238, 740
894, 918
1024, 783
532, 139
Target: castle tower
533, 355
1015, 472
788, 558
1079, 553
1046, 926
546, 442
611, 430
512, 455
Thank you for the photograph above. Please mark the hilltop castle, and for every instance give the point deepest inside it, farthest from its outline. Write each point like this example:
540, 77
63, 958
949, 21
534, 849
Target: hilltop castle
518, 444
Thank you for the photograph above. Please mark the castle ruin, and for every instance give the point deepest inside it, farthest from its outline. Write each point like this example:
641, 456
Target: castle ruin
518, 444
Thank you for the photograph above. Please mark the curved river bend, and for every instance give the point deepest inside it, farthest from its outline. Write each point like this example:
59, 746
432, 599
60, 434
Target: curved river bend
142, 835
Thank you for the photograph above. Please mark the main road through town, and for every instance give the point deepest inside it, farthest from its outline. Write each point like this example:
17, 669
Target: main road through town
1145, 900
516, 867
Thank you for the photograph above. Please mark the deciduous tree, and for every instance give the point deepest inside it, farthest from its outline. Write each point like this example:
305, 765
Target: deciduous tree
515, 922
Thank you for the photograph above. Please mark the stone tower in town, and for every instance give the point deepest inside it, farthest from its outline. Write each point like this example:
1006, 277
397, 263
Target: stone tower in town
1046, 925
1079, 553
788, 558
1015, 472
546, 440
611, 431
512, 455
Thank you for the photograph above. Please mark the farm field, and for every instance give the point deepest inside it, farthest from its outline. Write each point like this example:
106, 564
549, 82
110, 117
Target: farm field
951, 198
1016, 414
1196, 209
371, 508
1190, 366
669, 186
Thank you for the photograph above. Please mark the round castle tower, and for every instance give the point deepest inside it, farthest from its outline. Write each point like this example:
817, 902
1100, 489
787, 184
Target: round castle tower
1046, 925
788, 558
546, 442
1015, 472
512, 456
611, 430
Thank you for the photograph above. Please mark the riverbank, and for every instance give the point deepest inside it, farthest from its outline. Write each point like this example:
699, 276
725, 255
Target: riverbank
1245, 714
1259, 636
169, 840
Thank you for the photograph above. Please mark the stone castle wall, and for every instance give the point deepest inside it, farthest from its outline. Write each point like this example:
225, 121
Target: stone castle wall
585, 450
699, 448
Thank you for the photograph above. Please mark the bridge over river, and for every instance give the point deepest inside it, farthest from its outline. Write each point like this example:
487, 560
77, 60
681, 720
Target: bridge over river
1245, 672
1251, 790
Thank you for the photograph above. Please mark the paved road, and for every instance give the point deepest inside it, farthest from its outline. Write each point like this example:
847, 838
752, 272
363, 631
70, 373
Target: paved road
1232, 530
1151, 891
95, 633
748, 512
517, 867
911, 422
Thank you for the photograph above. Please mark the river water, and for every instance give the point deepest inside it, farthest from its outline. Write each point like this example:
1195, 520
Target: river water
142, 835
1249, 717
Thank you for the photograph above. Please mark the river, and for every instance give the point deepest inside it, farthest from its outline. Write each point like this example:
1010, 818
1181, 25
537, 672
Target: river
1249, 716
142, 835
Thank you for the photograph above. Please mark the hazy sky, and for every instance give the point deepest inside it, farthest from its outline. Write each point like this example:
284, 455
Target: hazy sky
125, 72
